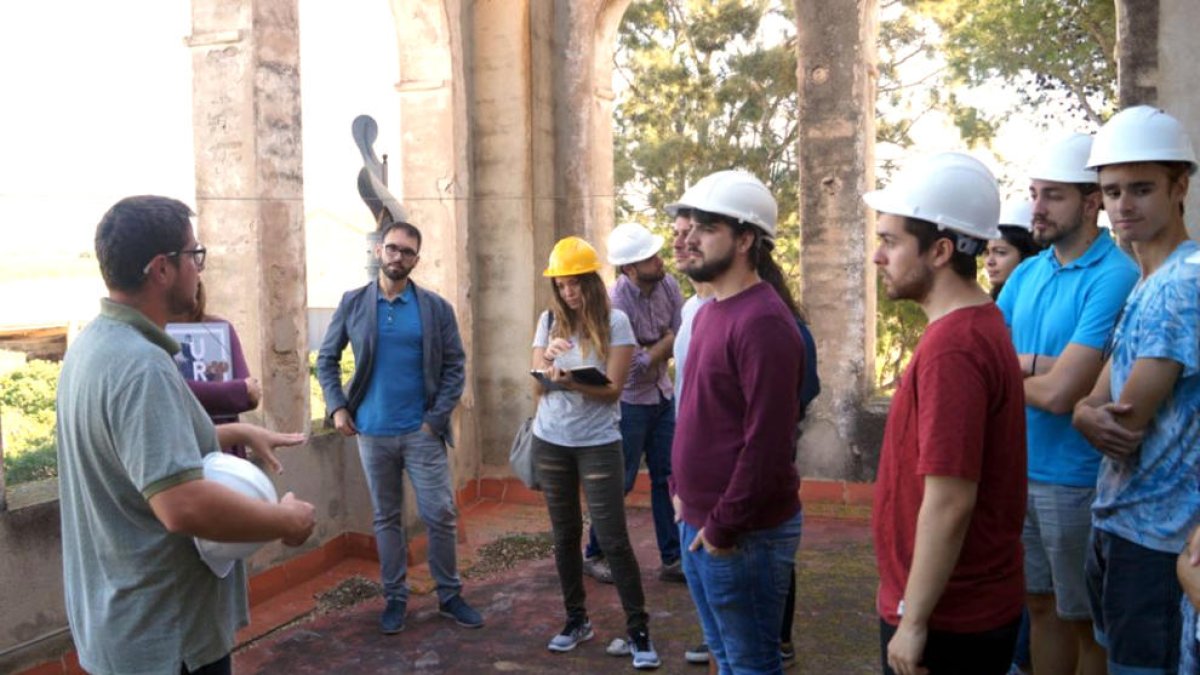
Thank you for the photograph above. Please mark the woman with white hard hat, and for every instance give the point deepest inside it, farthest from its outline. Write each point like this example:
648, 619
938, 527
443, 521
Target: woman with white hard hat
1014, 244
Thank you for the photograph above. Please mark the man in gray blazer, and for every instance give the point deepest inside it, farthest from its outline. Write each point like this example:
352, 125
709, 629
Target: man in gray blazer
408, 377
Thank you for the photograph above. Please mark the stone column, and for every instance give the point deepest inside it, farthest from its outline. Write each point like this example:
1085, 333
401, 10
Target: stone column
836, 40
585, 33
249, 190
503, 227
434, 180
1177, 74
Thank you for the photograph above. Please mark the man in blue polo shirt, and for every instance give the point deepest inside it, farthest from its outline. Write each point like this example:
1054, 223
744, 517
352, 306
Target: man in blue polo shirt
408, 377
1061, 306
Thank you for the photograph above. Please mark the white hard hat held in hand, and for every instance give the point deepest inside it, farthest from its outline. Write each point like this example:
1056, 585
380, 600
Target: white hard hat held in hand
244, 477
631, 243
952, 190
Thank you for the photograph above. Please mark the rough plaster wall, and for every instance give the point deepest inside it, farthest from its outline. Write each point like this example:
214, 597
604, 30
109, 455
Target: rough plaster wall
325, 471
435, 176
31, 584
1178, 73
249, 189
503, 220
546, 206
835, 72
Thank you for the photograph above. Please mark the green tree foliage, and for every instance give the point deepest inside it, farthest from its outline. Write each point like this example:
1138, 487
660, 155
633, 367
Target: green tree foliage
1046, 50
703, 86
27, 406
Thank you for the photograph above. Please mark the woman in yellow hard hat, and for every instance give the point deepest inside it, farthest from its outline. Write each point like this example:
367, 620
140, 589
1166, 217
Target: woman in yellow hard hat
577, 441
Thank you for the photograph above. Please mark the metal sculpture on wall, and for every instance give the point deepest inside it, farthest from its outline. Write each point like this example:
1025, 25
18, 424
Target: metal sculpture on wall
372, 186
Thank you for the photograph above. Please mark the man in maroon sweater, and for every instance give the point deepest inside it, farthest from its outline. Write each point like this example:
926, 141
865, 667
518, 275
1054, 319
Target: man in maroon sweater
734, 484
950, 494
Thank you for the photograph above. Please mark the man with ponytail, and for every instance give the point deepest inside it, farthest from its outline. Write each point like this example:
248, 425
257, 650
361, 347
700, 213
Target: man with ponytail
734, 482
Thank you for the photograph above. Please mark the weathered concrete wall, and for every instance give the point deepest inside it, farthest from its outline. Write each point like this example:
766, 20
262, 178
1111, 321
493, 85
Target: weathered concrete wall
34, 619
435, 175
503, 219
585, 31
326, 471
1179, 72
249, 189
835, 73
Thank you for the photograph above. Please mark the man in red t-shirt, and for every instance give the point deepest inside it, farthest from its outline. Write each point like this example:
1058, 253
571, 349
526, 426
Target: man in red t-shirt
950, 494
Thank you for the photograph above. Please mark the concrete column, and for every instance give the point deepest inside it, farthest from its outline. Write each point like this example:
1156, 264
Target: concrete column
585, 33
434, 180
503, 220
249, 189
835, 74
1178, 72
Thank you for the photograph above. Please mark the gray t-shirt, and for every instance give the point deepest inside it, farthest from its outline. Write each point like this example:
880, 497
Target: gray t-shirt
568, 417
139, 599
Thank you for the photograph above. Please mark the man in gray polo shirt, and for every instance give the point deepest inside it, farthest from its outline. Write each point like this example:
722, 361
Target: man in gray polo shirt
131, 437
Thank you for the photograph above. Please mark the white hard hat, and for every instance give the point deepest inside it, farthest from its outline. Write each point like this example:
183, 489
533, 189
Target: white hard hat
1065, 161
629, 243
240, 475
736, 194
951, 190
1017, 213
1141, 134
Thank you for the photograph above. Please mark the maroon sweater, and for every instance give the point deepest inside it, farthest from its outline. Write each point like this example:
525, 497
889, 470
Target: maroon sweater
732, 459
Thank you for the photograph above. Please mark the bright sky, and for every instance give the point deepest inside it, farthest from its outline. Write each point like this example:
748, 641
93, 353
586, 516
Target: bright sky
98, 107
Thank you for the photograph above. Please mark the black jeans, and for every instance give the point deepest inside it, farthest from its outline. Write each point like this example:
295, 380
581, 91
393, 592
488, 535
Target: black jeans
987, 653
600, 469
221, 667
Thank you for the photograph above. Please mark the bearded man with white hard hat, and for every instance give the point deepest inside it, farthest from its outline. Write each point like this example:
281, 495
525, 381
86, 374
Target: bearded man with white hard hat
1142, 415
652, 300
950, 492
1060, 307
735, 484
133, 491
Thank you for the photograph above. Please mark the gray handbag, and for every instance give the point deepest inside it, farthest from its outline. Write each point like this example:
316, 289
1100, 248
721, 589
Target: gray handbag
520, 457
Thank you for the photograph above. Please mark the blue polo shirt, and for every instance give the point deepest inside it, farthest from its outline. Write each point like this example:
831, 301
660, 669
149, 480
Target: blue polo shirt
395, 400
1048, 306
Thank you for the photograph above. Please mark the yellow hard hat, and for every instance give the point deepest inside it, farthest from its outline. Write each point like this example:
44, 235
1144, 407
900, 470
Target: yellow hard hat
572, 256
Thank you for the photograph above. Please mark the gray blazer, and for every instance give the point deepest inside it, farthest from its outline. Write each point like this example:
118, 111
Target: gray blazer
354, 322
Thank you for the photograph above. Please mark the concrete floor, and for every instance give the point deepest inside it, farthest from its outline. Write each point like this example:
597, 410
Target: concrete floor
835, 631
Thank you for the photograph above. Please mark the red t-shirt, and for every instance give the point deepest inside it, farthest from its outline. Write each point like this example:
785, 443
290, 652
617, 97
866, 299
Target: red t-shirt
960, 412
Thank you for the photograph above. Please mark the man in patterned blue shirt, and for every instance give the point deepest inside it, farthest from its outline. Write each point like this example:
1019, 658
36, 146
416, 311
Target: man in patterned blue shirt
1143, 414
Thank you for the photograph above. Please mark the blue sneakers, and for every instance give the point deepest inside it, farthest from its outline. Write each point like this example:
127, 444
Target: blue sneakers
577, 630
456, 608
392, 620
644, 656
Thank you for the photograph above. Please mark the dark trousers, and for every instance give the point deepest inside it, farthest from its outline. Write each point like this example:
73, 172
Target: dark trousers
986, 653
600, 470
648, 430
222, 667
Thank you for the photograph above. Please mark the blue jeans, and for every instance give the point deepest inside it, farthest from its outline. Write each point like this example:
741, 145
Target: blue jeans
1135, 599
649, 430
740, 597
384, 459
